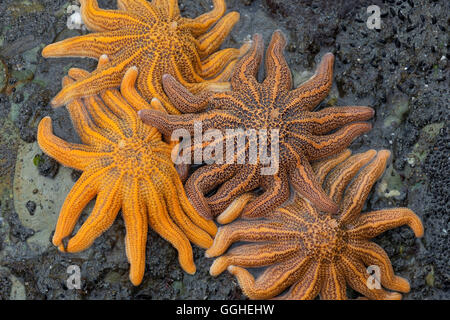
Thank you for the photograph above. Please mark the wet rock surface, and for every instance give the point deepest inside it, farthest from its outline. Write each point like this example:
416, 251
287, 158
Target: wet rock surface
401, 70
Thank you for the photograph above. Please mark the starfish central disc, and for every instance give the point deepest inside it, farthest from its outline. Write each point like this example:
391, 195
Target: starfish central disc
132, 157
326, 239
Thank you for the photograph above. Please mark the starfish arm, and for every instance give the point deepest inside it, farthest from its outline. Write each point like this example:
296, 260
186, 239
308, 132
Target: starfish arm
166, 123
104, 117
235, 209
250, 231
211, 41
357, 277
83, 191
274, 279
122, 110
309, 94
227, 100
90, 45
129, 92
309, 285
185, 68
333, 284
276, 192
170, 6
207, 225
318, 147
278, 74
341, 176
356, 194
134, 214
193, 232
371, 224
202, 23
305, 183
289, 213
329, 119
254, 255
213, 85
89, 133
109, 76
182, 98
204, 180
141, 8
247, 68
373, 254
97, 19
75, 74
150, 84
72, 155
156, 105
219, 60
323, 167
107, 206
244, 180
160, 221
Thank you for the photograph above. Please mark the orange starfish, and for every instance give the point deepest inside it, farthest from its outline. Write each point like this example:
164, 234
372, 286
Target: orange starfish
127, 166
312, 253
155, 38
271, 106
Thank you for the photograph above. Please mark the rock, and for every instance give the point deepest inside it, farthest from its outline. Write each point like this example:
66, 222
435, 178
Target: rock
48, 200
17, 289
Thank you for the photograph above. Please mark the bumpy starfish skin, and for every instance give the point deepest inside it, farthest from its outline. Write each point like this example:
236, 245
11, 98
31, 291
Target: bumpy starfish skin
312, 253
155, 38
270, 105
127, 166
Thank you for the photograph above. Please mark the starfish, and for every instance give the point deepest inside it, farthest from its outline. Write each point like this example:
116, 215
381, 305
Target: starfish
128, 167
269, 106
311, 253
155, 38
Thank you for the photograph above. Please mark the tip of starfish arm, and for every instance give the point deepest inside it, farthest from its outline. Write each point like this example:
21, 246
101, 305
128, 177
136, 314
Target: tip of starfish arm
233, 269
57, 101
44, 52
219, 265
394, 296
136, 279
384, 153
165, 76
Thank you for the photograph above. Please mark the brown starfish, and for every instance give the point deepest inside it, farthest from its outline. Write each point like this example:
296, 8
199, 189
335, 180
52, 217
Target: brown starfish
155, 38
312, 253
270, 106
